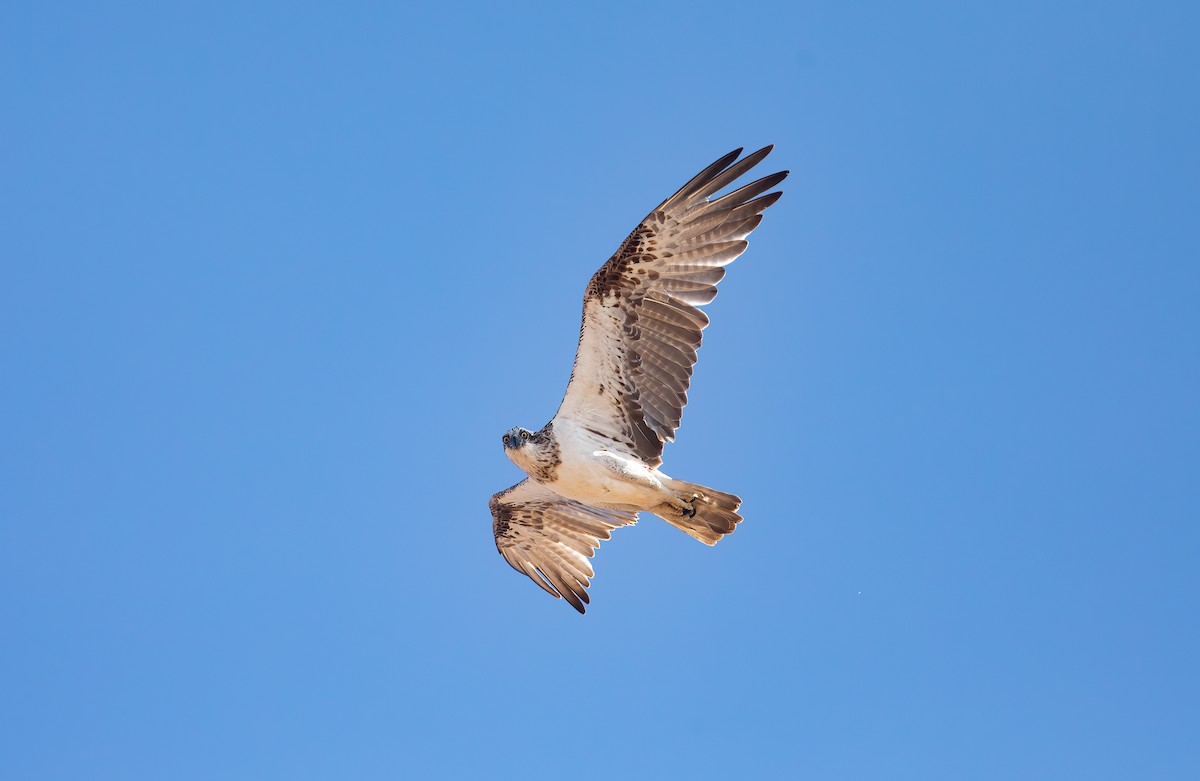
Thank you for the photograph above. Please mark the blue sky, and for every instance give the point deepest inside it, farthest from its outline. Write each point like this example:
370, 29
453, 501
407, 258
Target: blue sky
277, 277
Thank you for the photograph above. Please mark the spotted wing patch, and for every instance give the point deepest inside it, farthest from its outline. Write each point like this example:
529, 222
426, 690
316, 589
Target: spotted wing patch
642, 325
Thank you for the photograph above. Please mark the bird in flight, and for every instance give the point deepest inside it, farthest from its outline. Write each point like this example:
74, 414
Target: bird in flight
595, 465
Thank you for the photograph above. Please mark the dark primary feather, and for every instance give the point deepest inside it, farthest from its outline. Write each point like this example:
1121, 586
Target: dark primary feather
641, 322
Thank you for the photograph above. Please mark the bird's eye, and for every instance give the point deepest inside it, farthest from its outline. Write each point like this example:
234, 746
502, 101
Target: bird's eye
524, 435
506, 439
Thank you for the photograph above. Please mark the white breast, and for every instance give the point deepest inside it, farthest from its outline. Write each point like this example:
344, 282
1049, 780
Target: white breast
592, 471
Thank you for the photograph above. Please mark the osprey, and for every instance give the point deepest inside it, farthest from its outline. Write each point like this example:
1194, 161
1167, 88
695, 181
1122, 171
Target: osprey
595, 465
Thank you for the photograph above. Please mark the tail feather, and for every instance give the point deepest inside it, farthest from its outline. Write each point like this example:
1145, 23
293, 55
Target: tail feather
716, 513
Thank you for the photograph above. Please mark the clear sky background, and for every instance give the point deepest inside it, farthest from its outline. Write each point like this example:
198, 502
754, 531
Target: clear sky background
276, 277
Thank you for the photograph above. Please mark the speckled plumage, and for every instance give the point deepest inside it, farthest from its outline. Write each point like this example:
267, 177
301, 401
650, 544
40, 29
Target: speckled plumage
597, 461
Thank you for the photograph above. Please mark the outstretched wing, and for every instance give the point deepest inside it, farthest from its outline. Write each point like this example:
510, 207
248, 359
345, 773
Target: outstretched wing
641, 318
551, 538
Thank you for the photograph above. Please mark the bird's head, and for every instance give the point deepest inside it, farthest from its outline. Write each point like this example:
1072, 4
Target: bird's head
516, 438
518, 447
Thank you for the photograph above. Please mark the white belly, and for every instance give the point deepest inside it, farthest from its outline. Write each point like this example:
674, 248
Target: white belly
592, 473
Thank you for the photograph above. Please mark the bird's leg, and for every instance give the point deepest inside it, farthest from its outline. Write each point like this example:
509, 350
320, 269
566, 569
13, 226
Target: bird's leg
685, 507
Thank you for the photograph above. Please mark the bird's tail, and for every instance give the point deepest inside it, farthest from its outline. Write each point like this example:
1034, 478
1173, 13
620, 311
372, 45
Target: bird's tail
716, 512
